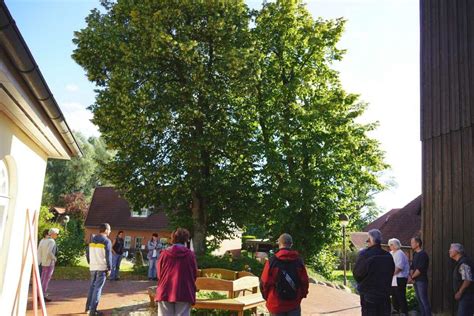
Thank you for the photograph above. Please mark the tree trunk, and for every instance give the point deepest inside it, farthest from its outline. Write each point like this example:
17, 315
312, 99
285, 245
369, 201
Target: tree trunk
199, 225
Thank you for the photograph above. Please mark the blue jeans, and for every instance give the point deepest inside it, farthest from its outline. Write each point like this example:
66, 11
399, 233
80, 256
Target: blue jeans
466, 305
97, 283
421, 291
116, 259
152, 268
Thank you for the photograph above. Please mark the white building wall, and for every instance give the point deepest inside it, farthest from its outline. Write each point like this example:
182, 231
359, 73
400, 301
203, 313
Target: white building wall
27, 166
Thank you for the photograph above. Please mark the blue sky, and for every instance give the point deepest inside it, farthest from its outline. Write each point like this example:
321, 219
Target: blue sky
381, 64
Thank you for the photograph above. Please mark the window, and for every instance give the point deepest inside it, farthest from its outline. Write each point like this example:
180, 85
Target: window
144, 212
4, 199
138, 242
127, 242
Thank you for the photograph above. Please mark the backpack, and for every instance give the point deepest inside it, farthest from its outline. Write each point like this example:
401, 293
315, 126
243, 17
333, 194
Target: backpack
288, 281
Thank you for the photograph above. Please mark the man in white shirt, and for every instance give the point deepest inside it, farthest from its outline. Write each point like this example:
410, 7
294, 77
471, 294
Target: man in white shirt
400, 277
47, 259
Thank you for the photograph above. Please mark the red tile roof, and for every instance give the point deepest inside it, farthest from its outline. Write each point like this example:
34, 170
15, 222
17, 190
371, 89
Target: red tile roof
108, 207
402, 224
359, 239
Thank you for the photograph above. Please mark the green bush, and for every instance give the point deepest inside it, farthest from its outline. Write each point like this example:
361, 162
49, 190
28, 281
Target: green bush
227, 262
324, 263
139, 266
71, 246
411, 299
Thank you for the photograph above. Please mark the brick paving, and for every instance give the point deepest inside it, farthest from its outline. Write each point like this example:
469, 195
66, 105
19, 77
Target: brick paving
130, 298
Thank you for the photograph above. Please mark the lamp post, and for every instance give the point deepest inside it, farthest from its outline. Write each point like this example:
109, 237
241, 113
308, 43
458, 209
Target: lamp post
344, 220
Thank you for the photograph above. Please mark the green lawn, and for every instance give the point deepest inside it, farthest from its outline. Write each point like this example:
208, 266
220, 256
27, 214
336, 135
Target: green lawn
81, 271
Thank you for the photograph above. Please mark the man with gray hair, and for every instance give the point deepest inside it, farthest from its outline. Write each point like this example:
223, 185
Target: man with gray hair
373, 272
284, 281
463, 282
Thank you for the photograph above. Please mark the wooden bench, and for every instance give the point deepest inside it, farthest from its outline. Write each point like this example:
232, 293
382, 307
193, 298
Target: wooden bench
241, 287
237, 304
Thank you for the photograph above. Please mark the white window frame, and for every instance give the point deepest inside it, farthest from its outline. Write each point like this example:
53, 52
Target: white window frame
127, 242
4, 199
144, 212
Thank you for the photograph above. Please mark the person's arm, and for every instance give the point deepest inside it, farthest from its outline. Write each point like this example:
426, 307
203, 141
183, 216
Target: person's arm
398, 260
460, 292
304, 282
51, 255
466, 275
415, 274
108, 254
360, 268
265, 281
113, 246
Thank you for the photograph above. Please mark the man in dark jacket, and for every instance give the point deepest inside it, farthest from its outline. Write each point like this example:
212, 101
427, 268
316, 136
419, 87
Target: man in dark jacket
284, 282
463, 281
373, 272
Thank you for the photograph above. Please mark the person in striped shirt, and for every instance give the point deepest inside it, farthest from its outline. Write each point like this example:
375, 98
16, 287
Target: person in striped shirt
99, 257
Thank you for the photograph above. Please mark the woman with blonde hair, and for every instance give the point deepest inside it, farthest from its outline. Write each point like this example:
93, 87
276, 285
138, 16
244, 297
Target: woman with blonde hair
400, 277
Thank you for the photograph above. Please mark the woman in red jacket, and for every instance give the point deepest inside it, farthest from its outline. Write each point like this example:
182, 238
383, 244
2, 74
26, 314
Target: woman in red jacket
176, 272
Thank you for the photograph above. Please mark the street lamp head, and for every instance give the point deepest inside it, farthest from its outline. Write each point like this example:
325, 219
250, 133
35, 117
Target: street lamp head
343, 219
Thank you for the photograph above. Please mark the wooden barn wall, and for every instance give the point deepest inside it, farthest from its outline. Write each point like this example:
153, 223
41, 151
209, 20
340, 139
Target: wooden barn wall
447, 114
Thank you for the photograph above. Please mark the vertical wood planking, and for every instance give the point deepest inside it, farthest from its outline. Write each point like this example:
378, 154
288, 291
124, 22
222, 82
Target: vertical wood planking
446, 210
434, 67
437, 260
463, 67
467, 173
447, 114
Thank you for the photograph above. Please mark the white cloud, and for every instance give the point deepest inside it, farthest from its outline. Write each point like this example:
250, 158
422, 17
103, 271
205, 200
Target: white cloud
79, 118
71, 87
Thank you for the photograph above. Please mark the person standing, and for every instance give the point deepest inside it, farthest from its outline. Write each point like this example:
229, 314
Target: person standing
284, 281
373, 272
419, 275
177, 272
45, 235
154, 247
47, 250
99, 257
400, 276
463, 281
117, 255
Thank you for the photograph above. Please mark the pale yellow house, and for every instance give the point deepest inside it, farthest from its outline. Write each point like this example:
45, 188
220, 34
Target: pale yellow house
32, 130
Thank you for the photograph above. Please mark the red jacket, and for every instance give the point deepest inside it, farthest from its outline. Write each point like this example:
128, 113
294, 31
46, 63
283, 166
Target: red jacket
270, 276
176, 272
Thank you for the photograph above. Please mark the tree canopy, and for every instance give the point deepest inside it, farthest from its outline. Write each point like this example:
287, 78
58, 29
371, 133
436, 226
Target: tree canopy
65, 177
228, 117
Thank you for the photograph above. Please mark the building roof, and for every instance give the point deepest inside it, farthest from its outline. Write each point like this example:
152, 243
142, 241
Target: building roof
358, 239
108, 207
16, 50
59, 210
402, 224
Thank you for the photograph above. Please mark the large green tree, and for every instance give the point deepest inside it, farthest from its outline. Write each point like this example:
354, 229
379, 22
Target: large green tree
318, 160
228, 117
172, 80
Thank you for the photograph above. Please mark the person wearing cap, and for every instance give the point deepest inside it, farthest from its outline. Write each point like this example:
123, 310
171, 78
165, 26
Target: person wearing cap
463, 280
284, 281
99, 257
373, 272
47, 250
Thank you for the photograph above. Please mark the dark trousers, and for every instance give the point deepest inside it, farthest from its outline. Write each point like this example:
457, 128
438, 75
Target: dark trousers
399, 296
375, 307
295, 312
466, 305
421, 291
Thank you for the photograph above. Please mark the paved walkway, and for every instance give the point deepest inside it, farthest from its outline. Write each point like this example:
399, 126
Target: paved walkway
130, 298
